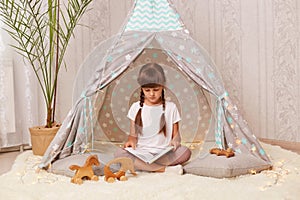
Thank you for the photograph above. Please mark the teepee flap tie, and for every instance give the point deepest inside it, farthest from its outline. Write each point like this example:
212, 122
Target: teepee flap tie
83, 95
225, 94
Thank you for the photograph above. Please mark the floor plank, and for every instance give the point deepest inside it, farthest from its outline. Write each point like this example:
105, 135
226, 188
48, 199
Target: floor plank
292, 146
7, 160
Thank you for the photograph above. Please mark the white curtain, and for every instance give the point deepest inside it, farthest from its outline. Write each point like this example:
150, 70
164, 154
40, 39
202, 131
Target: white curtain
19, 97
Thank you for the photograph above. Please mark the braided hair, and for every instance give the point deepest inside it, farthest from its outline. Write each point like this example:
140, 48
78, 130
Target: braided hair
151, 75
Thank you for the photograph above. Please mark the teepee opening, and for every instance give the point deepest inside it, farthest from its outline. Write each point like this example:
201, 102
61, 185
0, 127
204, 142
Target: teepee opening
188, 96
112, 124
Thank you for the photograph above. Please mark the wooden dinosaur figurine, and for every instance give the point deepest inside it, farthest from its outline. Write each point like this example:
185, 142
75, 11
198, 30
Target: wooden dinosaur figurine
222, 152
126, 164
86, 171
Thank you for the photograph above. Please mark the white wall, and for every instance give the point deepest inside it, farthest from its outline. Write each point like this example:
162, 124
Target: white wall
255, 44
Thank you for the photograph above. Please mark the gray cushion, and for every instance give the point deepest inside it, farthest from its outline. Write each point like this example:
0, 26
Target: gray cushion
61, 166
222, 167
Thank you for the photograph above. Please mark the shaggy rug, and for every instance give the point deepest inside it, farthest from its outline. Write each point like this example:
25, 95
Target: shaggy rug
283, 182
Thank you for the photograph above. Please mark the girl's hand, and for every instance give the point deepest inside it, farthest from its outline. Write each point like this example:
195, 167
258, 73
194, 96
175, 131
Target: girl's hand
176, 139
176, 142
131, 142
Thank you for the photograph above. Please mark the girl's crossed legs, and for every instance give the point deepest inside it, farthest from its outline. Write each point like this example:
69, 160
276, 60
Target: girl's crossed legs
179, 156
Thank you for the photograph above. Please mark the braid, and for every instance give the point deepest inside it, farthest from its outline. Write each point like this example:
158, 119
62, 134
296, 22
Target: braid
163, 119
138, 118
142, 98
163, 99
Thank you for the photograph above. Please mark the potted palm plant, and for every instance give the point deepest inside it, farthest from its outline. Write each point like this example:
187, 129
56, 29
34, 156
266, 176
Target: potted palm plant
41, 31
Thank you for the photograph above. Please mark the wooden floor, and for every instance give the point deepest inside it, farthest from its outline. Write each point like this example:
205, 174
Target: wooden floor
292, 146
7, 159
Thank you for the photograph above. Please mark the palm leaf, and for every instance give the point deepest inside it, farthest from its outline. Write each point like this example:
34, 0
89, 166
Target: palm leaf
35, 29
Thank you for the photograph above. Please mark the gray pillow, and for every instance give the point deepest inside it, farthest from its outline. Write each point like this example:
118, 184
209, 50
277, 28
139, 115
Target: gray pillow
212, 165
61, 166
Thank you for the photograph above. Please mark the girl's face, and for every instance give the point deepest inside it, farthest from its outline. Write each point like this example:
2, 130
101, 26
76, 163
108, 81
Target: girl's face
152, 95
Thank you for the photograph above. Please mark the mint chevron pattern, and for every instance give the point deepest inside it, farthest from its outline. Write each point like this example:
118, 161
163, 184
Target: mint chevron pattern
153, 15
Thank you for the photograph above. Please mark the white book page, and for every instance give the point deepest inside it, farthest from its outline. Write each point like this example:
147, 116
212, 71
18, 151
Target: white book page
147, 156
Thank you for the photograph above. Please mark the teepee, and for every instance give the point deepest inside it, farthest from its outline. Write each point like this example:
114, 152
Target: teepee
153, 31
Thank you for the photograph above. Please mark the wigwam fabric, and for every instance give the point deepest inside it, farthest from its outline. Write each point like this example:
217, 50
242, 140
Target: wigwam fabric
153, 24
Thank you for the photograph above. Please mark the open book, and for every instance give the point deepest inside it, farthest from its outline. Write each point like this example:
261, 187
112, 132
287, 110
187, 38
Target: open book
147, 156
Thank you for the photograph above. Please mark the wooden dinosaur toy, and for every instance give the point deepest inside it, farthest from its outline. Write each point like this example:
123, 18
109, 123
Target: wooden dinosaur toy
126, 164
222, 152
86, 171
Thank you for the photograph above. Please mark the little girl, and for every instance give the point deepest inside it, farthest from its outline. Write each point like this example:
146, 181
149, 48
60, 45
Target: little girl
154, 124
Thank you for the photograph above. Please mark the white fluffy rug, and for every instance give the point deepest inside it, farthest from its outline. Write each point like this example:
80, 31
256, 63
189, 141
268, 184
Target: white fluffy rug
283, 182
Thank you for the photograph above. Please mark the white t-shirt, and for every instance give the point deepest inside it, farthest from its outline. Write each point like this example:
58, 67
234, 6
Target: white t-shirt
151, 139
